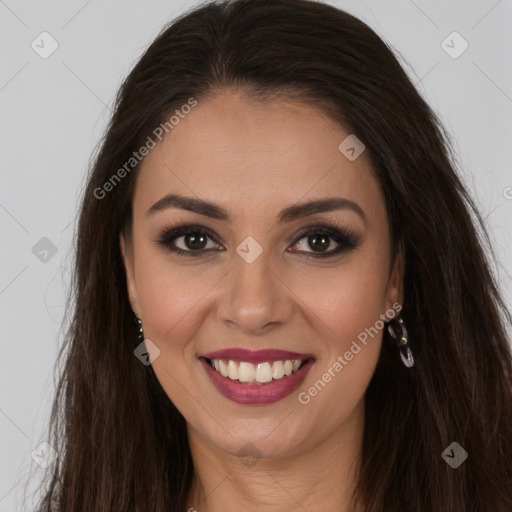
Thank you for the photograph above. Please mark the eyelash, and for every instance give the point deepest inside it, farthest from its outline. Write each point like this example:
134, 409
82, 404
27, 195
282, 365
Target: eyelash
346, 239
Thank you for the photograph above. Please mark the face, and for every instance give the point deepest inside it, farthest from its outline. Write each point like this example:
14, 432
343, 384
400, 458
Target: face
253, 279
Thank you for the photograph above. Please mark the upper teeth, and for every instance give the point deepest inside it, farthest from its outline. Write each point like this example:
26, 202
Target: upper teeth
262, 372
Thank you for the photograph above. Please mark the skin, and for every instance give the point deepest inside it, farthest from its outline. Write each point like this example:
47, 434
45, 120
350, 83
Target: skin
255, 159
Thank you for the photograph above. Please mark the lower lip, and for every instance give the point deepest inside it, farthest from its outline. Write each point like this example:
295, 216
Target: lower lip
242, 393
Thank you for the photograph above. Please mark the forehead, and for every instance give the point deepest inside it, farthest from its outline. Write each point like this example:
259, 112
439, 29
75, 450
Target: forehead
255, 157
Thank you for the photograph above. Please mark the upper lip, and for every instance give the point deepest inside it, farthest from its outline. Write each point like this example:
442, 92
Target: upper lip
255, 356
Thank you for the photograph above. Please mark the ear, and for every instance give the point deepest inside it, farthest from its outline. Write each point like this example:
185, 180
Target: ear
127, 254
395, 289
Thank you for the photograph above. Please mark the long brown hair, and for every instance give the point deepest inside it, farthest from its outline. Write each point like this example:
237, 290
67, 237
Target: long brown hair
122, 443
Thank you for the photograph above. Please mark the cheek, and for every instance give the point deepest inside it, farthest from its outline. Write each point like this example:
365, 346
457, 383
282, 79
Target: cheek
170, 300
345, 308
347, 300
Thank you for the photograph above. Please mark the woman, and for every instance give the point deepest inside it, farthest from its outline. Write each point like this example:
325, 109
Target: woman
280, 297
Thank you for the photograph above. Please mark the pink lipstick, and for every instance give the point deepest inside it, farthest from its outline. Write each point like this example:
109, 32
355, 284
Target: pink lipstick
272, 389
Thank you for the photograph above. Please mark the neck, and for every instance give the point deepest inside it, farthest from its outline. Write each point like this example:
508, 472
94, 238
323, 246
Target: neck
321, 477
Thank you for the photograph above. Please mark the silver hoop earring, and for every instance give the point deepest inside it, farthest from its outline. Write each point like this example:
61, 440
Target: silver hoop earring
403, 343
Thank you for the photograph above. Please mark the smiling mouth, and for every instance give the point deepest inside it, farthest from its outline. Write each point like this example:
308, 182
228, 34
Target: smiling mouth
260, 373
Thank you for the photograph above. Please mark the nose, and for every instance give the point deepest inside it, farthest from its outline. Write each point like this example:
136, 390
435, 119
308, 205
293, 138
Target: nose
255, 297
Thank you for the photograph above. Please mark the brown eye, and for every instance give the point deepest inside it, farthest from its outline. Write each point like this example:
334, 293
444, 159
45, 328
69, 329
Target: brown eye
195, 241
188, 240
322, 239
319, 243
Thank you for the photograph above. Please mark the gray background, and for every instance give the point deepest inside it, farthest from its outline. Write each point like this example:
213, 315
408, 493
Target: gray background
54, 112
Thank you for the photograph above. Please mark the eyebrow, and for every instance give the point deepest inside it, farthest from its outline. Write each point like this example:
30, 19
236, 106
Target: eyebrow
288, 214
